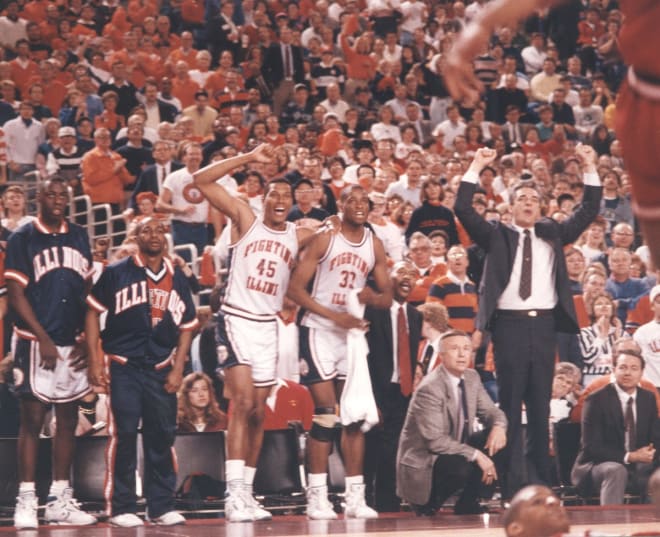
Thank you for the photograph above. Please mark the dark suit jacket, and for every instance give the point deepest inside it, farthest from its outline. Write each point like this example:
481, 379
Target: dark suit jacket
430, 430
500, 243
148, 181
603, 430
524, 127
167, 111
273, 66
381, 351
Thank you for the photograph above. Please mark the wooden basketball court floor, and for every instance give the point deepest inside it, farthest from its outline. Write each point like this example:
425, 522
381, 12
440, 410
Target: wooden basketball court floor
617, 521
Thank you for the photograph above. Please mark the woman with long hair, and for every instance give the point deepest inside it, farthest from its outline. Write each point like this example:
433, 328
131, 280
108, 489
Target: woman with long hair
432, 214
597, 340
198, 409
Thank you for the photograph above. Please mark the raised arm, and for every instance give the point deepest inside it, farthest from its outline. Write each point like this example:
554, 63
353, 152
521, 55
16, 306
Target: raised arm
240, 213
458, 71
478, 228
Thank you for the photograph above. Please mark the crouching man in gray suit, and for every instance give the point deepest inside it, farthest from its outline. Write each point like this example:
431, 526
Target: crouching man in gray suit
440, 450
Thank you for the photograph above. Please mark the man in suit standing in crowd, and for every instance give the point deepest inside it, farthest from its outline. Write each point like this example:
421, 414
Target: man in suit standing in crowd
152, 177
439, 449
619, 431
393, 340
283, 69
525, 299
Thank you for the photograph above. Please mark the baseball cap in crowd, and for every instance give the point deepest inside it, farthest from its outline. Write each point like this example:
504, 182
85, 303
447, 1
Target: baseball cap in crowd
66, 131
655, 291
300, 87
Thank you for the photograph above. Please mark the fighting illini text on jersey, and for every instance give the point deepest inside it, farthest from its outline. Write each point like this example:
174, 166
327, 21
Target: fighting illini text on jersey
260, 265
344, 266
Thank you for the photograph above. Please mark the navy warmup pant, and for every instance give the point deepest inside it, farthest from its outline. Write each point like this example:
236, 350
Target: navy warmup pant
137, 392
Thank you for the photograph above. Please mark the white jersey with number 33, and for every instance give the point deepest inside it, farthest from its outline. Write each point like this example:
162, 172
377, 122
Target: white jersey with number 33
260, 265
345, 266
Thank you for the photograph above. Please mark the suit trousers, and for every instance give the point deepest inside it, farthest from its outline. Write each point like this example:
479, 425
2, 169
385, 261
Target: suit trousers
524, 350
611, 479
454, 473
282, 93
380, 451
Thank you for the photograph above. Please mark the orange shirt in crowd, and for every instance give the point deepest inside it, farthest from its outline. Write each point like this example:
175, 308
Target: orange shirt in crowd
34, 11
100, 180
21, 74
358, 66
178, 54
192, 11
138, 10
54, 93
185, 90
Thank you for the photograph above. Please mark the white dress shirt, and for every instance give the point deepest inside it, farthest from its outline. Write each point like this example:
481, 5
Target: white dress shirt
544, 293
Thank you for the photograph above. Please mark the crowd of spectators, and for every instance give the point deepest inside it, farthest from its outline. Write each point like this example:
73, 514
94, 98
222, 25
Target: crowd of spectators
127, 100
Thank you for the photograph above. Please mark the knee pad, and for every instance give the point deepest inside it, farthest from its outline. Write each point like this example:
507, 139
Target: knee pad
323, 424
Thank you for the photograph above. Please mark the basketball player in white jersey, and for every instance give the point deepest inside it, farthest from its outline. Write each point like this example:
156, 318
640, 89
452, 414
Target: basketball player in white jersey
336, 264
262, 253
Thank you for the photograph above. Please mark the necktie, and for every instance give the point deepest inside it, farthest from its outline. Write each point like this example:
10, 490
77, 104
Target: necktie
428, 354
630, 424
462, 429
163, 174
403, 351
525, 289
287, 62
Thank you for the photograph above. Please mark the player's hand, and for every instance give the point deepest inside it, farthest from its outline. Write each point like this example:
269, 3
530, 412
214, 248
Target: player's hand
348, 321
173, 381
489, 473
263, 153
458, 71
97, 377
586, 154
331, 224
484, 156
78, 357
49, 354
496, 440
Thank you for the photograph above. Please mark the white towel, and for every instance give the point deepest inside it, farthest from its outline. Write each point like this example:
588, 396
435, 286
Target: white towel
288, 358
357, 400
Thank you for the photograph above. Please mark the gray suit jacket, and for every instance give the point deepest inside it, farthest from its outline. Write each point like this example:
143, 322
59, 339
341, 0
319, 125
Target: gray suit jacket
430, 430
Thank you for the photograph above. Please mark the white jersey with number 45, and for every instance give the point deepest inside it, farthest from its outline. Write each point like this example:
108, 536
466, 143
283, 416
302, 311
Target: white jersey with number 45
260, 265
345, 266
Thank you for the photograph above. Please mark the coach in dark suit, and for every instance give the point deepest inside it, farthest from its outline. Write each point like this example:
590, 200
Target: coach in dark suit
152, 177
620, 428
440, 450
388, 350
525, 298
283, 68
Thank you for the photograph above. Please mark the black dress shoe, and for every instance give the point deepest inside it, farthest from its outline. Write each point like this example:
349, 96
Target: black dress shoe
424, 510
470, 509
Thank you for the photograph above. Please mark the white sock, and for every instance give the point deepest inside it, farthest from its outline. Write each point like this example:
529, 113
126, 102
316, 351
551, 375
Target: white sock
248, 476
354, 480
317, 480
57, 487
234, 470
26, 486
